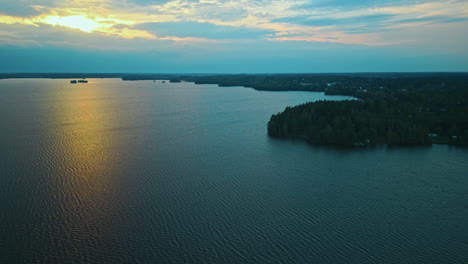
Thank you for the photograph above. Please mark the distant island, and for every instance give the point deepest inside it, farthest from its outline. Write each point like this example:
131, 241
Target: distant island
390, 108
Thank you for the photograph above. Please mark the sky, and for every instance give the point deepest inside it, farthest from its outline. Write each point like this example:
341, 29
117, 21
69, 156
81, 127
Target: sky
227, 36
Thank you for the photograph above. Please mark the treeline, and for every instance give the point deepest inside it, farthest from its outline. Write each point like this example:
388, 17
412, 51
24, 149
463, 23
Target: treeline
270, 82
425, 111
354, 84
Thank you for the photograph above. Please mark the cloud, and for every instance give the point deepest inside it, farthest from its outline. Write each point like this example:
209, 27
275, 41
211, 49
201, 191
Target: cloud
433, 19
17, 9
370, 20
353, 5
202, 30
148, 2
24, 8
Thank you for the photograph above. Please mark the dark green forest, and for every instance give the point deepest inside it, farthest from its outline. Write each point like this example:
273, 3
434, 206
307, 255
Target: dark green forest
397, 111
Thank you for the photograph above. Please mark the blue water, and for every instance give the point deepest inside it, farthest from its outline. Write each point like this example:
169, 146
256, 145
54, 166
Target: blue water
143, 172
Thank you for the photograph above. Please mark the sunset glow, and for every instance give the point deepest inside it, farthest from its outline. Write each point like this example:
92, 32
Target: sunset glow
79, 22
195, 29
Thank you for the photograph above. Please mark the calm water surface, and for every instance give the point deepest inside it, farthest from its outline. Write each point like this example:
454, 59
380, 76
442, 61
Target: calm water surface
143, 172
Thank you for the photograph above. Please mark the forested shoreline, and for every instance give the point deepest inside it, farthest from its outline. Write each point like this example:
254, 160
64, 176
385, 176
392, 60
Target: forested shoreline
397, 111
392, 108
409, 109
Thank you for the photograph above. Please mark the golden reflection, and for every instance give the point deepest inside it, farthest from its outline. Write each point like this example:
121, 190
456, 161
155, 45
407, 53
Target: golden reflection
84, 144
84, 174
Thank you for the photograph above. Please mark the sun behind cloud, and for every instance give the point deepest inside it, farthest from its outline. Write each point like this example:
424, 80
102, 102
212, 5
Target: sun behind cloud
79, 22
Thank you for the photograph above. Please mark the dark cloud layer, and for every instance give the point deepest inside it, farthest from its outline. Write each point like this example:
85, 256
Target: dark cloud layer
16, 8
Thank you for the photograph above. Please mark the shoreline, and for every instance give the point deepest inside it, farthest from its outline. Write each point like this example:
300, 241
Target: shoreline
401, 109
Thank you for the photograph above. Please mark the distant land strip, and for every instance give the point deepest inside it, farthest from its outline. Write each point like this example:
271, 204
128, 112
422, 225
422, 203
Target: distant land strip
410, 109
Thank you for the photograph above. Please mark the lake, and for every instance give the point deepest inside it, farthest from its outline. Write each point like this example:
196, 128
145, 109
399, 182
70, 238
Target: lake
148, 172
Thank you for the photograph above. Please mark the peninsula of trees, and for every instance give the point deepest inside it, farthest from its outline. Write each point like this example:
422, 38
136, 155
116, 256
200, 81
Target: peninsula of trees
415, 110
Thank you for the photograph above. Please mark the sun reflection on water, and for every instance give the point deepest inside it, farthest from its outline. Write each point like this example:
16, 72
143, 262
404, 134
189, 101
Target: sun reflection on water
84, 175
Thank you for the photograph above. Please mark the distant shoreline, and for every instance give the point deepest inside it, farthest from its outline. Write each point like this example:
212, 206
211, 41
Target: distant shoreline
410, 109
